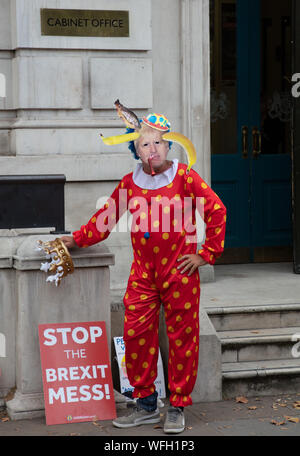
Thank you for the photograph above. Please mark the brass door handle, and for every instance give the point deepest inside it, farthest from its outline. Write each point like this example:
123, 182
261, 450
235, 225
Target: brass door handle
245, 142
256, 142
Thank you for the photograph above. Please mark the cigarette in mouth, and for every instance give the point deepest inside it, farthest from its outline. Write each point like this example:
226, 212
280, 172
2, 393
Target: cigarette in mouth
150, 164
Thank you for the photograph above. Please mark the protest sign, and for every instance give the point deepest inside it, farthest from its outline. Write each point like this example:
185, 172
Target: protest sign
124, 382
76, 372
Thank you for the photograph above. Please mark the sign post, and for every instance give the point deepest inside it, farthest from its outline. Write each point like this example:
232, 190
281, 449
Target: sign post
76, 372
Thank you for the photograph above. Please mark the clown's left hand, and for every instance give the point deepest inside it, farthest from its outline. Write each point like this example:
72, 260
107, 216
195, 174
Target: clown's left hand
190, 263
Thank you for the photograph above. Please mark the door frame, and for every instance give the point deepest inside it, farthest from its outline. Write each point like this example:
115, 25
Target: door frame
296, 139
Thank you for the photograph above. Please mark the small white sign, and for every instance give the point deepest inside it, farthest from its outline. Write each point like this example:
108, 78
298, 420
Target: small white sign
124, 382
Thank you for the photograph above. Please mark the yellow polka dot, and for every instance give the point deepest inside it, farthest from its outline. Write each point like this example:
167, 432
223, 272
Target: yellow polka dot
131, 332
145, 192
166, 284
137, 378
94, 219
187, 305
150, 327
164, 261
178, 342
170, 329
142, 319
90, 234
126, 296
188, 330
222, 244
190, 180
143, 297
185, 280
129, 365
134, 284
152, 306
178, 318
187, 378
216, 207
143, 241
130, 192
166, 210
156, 224
134, 355
178, 390
179, 367
152, 350
165, 236
142, 342
170, 185
173, 271
156, 249
181, 172
218, 230
188, 353
176, 294
131, 307
145, 365
152, 374
174, 247
177, 197
195, 290
203, 185
185, 398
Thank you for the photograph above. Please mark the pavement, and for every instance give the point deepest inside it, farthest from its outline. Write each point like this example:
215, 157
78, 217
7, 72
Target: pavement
257, 416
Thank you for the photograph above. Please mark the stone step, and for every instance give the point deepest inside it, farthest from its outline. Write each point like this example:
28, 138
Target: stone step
259, 344
255, 317
260, 378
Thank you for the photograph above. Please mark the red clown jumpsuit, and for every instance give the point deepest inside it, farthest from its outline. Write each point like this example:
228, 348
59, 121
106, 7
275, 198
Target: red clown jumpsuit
159, 237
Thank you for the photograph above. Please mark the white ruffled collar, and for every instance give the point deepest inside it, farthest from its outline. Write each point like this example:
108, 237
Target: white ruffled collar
145, 181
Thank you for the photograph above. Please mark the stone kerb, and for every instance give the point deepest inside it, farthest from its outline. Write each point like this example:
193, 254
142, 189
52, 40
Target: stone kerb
82, 296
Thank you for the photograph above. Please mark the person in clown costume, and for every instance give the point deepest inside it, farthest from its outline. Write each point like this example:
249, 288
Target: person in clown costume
162, 196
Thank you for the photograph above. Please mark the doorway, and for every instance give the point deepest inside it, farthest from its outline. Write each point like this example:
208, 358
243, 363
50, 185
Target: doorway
251, 118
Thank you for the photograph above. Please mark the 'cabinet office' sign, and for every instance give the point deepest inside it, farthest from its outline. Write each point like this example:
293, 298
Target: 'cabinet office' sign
69, 22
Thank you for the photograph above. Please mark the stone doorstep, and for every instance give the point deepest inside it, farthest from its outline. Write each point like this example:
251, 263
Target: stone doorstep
254, 317
244, 370
258, 336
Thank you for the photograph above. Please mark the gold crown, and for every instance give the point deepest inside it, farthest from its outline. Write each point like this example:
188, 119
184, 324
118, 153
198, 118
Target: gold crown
61, 264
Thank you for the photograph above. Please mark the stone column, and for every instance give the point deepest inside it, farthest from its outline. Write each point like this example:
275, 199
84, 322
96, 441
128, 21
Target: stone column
82, 296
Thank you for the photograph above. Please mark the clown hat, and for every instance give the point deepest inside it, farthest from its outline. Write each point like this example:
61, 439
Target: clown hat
157, 121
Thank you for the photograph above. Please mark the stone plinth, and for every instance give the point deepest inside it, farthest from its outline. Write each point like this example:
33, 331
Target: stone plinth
82, 296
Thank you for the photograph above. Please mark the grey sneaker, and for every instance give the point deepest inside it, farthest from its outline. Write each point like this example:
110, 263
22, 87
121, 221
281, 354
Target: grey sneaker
137, 417
174, 422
